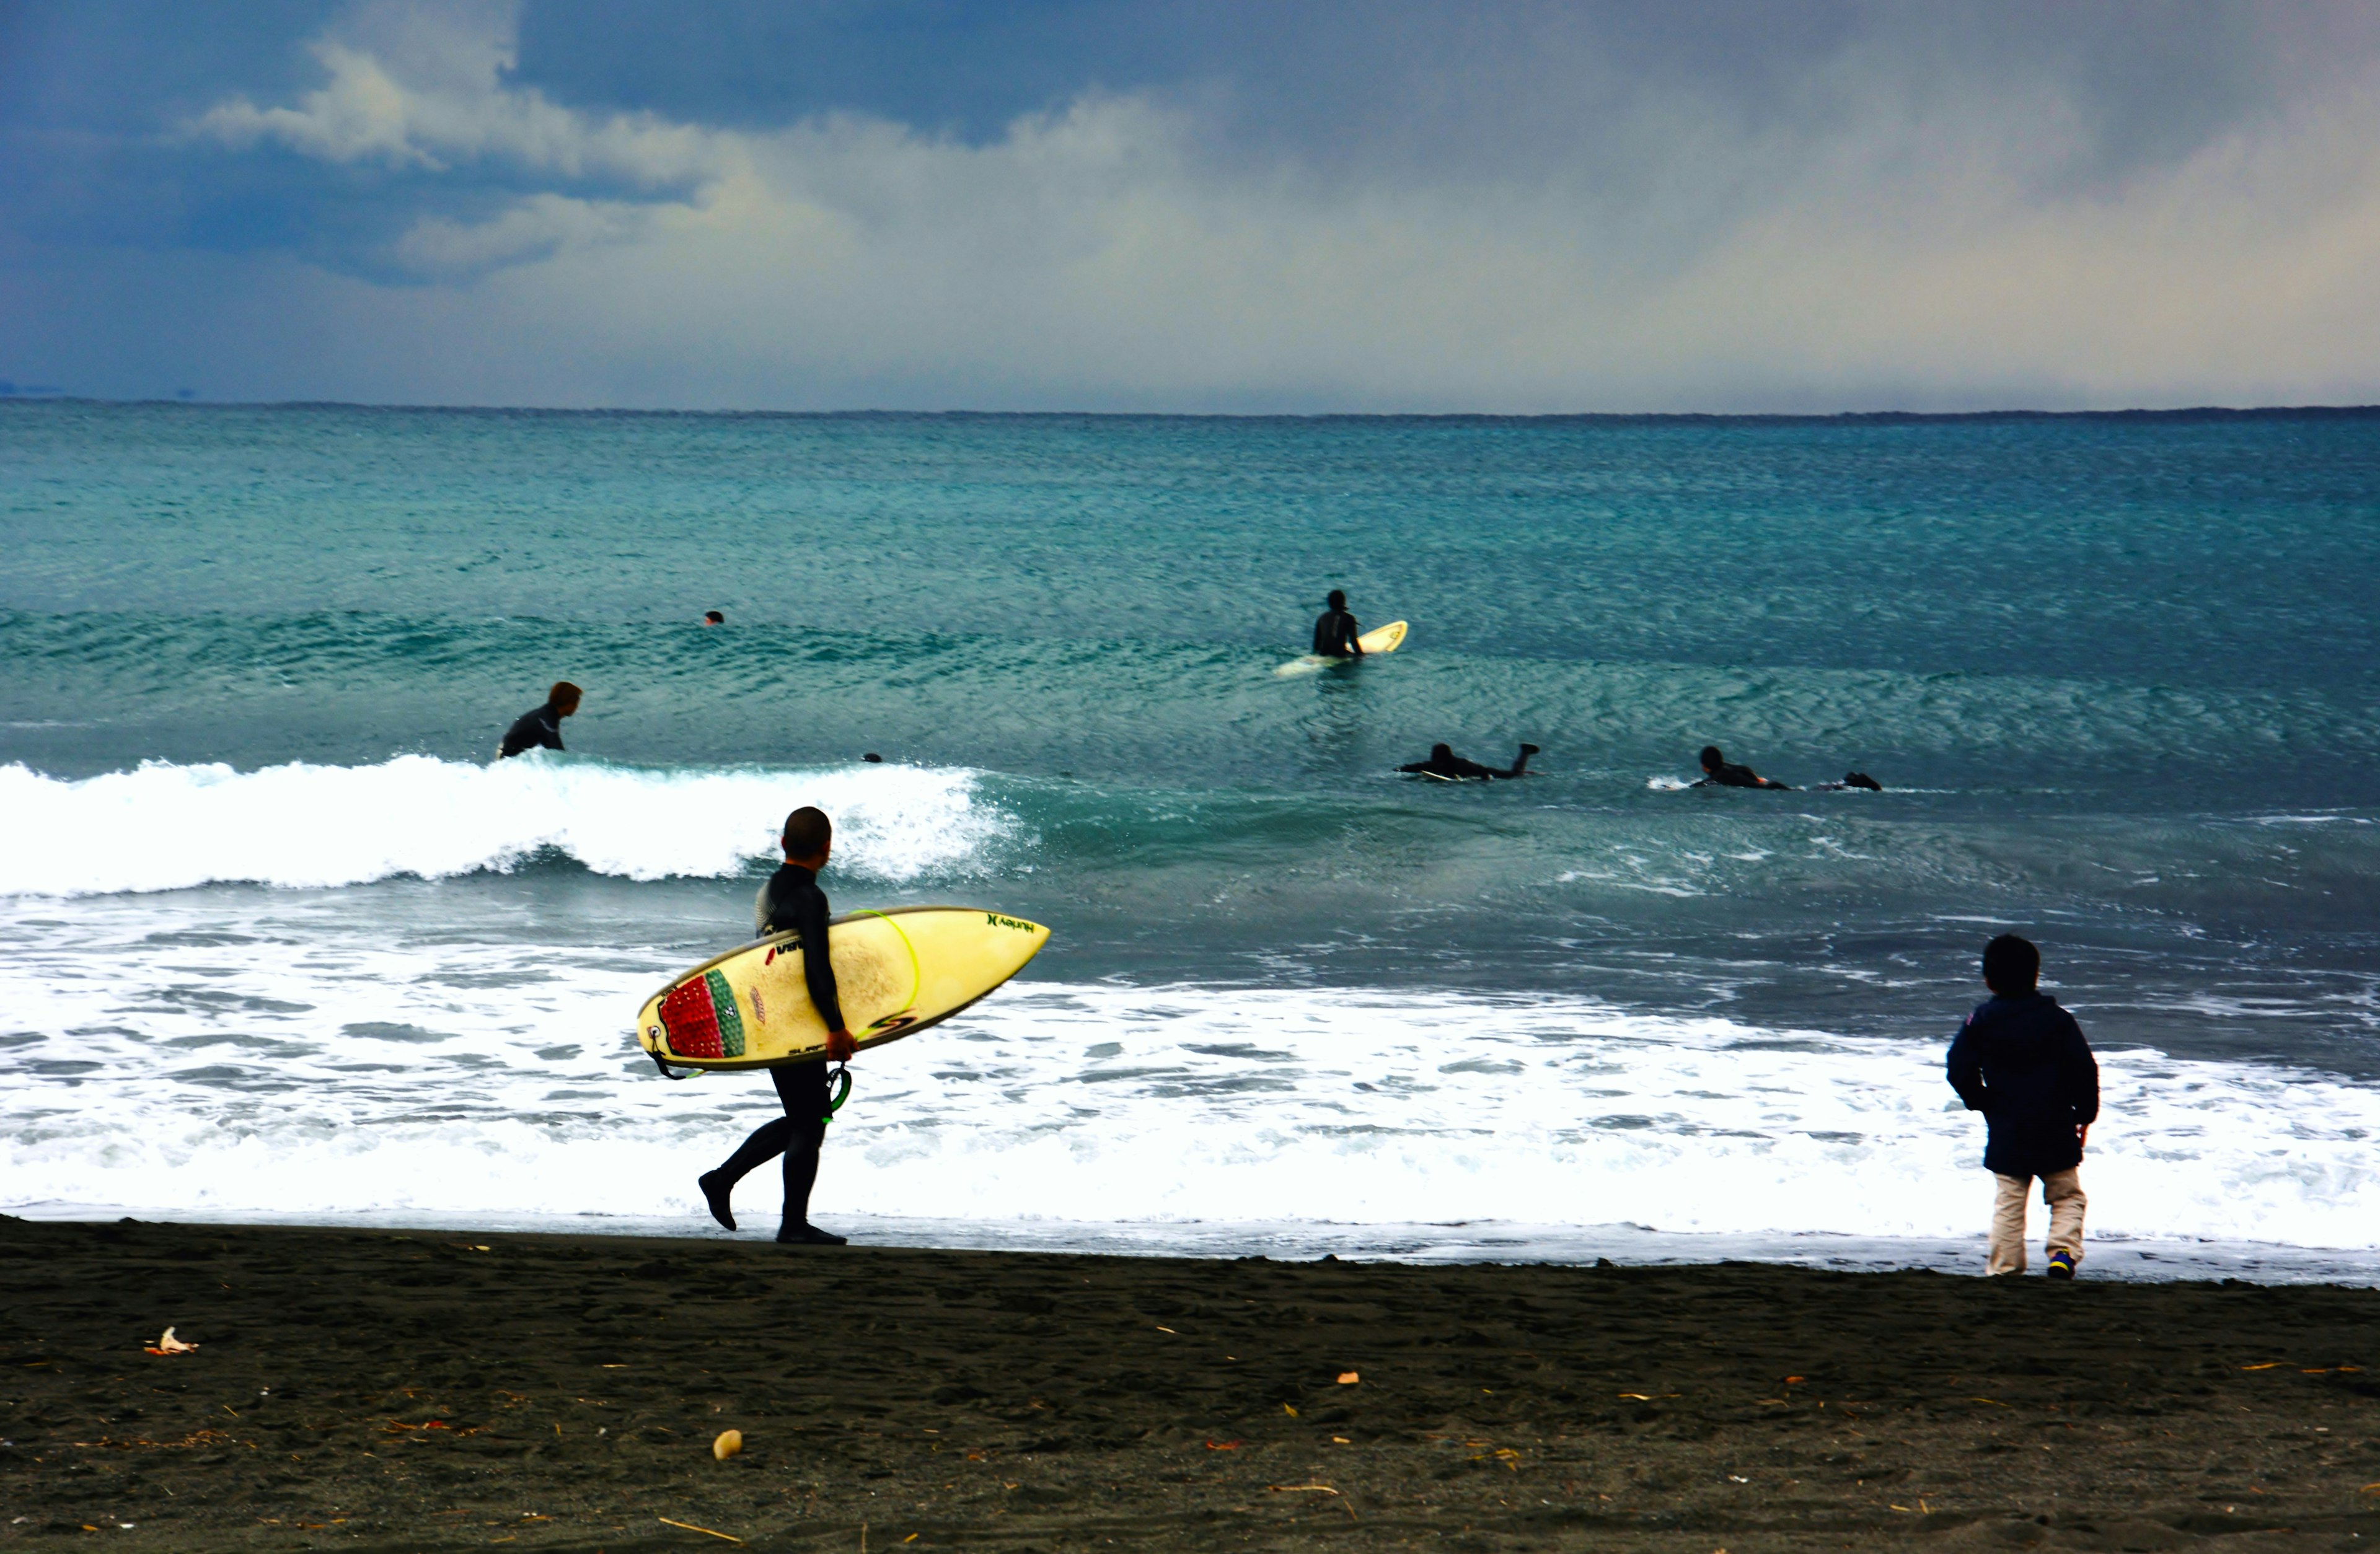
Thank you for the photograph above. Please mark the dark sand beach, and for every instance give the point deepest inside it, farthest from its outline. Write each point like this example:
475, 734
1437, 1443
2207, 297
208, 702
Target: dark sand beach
422, 1391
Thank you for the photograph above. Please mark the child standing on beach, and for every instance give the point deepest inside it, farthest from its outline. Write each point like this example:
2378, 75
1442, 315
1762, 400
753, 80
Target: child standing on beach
2021, 1061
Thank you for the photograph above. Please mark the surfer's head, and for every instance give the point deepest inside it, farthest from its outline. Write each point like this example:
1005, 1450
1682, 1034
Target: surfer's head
1338, 598
712, 617
563, 698
1712, 761
2011, 966
808, 835
1441, 752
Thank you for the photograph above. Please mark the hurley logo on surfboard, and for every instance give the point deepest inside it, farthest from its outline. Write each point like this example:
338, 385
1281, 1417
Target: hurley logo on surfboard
996, 920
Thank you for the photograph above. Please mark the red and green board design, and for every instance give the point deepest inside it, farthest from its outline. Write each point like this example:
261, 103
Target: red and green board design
700, 1016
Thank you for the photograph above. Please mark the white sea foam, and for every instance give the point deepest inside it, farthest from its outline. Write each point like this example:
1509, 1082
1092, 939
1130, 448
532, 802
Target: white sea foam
166, 827
293, 1073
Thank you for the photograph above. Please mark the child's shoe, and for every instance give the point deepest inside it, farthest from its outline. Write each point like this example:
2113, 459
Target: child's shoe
2062, 1264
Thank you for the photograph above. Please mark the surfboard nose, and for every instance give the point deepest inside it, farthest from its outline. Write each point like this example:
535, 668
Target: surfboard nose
1015, 940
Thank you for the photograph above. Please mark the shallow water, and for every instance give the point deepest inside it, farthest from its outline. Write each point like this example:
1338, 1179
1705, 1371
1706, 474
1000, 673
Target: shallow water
279, 942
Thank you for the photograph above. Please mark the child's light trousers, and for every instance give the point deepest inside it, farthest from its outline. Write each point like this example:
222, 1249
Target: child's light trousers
2062, 1191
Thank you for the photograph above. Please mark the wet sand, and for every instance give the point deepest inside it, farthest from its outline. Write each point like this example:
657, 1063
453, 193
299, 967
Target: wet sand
420, 1391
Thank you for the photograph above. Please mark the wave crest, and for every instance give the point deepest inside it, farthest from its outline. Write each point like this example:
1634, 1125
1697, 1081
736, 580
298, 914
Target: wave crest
164, 826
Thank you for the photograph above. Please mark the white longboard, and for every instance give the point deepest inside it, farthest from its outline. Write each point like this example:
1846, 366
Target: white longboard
1380, 640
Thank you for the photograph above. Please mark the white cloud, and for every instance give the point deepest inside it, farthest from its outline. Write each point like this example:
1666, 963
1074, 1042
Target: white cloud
368, 112
1891, 241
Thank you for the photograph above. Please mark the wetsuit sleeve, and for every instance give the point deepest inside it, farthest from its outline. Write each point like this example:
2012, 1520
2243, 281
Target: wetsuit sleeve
2080, 1077
532, 730
818, 971
1966, 1070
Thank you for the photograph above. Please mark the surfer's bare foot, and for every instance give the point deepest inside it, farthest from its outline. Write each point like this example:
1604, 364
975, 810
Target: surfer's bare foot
714, 1193
810, 1235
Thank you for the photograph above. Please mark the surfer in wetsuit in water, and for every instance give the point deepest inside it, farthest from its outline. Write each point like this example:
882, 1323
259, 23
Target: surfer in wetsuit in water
1336, 635
792, 899
1443, 762
1720, 772
541, 727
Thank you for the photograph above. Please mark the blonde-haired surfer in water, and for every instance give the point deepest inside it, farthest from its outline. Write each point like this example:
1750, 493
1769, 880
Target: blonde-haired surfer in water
792, 901
541, 727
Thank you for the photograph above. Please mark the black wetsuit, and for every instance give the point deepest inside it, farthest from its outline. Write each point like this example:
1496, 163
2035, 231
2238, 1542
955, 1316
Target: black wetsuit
1458, 768
792, 899
1334, 635
534, 730
1730, 775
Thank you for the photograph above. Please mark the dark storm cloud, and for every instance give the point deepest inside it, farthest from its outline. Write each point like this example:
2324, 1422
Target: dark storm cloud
1441, 82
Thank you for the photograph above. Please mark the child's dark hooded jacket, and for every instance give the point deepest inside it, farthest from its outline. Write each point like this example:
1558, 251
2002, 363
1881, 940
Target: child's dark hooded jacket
2022, 1063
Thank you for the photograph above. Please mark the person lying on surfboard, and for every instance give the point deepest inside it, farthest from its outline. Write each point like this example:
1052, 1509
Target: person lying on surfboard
1444, 763
1720, 772
1335, 634
792, 899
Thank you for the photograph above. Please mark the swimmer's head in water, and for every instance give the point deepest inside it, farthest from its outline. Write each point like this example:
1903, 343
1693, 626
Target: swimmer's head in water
1338, 598
1441, 752
1712, 761
563, 698
712, 617
807, 832
2011, 966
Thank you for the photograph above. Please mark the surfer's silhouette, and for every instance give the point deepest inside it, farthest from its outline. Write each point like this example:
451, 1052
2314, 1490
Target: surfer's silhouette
1720, 772
1336, 635
1445, 764
792, 901
541, 727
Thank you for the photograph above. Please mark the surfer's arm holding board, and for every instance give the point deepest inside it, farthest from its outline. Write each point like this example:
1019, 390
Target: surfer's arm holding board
792, 899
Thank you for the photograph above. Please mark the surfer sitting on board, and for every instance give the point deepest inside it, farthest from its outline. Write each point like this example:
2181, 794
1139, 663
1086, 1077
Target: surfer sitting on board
792, 901
1445, 764
1720, 772
1335, 634
541, 727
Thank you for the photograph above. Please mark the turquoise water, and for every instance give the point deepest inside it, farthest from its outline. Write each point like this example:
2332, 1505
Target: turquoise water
2120, 673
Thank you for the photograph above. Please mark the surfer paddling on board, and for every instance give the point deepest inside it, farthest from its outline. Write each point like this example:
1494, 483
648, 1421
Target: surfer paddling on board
792, 901
541, 727
1720, 772
1336, 635
1445, 765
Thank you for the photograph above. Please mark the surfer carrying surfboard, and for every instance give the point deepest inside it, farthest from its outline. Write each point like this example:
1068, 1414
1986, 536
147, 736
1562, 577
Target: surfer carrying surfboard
1336, 635
792, 901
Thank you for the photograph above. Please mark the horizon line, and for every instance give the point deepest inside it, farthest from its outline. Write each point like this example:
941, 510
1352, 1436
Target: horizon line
2196, 412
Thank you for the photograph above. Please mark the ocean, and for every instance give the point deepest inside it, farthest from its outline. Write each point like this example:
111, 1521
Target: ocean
281, 942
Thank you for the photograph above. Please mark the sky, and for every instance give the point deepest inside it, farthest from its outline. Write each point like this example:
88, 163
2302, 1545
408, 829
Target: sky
1249, 207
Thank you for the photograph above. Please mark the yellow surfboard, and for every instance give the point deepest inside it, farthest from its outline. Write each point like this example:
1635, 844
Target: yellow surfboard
1380, 640
895, 973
